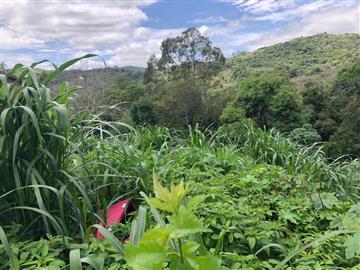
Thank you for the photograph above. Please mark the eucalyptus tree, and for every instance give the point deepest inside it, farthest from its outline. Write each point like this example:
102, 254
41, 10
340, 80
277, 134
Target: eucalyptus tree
190, 54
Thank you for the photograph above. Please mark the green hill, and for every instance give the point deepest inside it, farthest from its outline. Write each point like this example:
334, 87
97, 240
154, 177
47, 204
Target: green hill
316, 57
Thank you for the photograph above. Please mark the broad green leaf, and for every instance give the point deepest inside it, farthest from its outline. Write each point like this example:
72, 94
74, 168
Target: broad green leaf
168, 200
148, 256
315, 198
328, 199
157, 234
96, 261
195, 201
184, 223
151, 253
289, 216
352, 246
209, 262
251, 242
324, 199
352, 218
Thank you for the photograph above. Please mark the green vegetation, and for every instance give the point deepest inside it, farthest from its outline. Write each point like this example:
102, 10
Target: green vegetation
256, 191
269, 100
317, 58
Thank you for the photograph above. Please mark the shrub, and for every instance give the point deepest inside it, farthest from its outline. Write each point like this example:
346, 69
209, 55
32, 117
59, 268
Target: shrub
305, 135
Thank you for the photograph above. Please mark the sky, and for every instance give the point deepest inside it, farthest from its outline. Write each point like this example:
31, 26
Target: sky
127, 32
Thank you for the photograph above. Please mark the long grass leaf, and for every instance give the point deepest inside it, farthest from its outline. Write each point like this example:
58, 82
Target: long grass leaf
138, 226
75, 261
64, 66
111, 238
14, 263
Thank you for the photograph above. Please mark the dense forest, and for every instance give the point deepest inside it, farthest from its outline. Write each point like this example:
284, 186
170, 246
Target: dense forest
246, 162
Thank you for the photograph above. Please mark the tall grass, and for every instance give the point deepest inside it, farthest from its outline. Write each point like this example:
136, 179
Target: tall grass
273, 148
37, 145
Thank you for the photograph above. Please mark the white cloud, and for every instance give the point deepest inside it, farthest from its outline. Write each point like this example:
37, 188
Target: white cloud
261, 6
11, 59
276, 10
302, 10
208, 20
137, 53
11, 39
101, 27
333, 21
81, 24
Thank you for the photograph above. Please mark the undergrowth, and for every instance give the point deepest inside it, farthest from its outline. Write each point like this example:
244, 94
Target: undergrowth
262, 201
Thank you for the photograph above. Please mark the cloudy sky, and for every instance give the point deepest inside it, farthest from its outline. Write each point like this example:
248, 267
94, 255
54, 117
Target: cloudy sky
128, 32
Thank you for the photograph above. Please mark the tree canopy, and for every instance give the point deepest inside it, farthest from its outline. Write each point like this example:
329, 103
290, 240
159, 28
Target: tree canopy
190, 54
269, 100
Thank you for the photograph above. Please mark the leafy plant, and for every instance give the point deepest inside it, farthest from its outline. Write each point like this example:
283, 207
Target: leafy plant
172, 244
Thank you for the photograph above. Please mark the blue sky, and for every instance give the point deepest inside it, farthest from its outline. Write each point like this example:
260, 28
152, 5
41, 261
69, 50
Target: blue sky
128, 32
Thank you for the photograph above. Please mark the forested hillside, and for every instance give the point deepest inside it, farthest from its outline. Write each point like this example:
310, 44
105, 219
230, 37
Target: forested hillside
316, 57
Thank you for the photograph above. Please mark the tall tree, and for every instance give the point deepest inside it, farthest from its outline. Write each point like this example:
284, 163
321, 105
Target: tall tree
150, 71
181, 77
344, 108
190, 54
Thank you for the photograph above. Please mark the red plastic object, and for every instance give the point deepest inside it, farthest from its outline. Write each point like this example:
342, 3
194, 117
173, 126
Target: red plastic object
115, 214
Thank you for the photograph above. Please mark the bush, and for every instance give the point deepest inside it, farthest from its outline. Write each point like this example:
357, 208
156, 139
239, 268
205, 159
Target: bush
305, 135
143, 113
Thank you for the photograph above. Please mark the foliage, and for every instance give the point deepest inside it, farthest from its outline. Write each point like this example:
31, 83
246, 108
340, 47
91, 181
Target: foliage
93, 93
190, 54
183, 105
345, 104
306, 135
315, 58
143, 113
172, 244
269, 100
232, 114
273, 148
258, 199
52, 254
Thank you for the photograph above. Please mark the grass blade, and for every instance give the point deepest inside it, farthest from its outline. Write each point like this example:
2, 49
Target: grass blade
138, 226
75, 261
13, 260
111, 238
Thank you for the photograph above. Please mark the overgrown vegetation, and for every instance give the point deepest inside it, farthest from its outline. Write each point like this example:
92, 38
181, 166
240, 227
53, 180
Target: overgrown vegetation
239, 196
